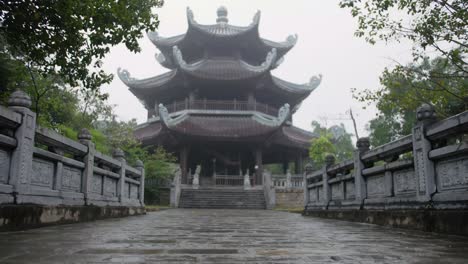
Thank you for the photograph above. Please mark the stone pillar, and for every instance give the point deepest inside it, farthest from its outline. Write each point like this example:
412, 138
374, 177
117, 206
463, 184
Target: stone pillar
196, 178
84, 137
363, 145
288, 179
285, 166
258, 166
329, 161
247, 185
22, 156
183, 164
298, 165
141, 167
119, 155
58, 169
308, 170
151, 113
424, 167
251, 100
156, 108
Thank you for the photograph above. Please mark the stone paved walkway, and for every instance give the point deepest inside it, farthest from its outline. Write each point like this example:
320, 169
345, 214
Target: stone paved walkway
228, 236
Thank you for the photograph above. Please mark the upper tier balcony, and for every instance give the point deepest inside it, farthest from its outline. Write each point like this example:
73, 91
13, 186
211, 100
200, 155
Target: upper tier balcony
222, 105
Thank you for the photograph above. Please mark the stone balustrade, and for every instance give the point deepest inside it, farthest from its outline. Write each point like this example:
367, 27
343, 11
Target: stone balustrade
288, 181
39, 166
425, 170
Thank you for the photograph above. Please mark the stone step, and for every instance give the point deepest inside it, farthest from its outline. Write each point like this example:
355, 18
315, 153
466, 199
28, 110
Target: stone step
222, 198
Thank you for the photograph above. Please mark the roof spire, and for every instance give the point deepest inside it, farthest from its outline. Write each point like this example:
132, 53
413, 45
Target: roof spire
222, 15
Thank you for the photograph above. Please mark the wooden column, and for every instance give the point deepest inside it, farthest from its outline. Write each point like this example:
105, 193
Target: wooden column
251, 101
183, 164
285, 166
298, 165
259, 165
156, 108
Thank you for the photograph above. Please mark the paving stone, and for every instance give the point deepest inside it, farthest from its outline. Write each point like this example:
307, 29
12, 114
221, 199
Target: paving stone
228, 236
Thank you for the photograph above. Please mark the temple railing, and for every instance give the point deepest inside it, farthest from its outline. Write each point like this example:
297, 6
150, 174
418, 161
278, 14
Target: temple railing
40, 166
288, 181
230, 180
223, 105
428, 169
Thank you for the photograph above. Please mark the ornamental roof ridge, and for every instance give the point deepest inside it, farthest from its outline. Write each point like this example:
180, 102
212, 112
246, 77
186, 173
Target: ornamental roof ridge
283, 114
222, 27
192, 67
147, 83
313, 83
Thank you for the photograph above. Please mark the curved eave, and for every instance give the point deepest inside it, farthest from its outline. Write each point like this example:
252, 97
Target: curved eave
300, 89
294, 94
222, 29
154, 85
224, 69
294, 137
148, 132
223, 125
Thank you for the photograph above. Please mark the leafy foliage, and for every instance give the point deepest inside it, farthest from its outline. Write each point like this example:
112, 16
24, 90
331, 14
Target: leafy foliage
333, 140
403, 90
439, 24
69, 38
159, 164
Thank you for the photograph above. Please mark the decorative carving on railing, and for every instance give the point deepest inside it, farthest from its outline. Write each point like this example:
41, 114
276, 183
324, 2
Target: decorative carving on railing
421, 170
48, 169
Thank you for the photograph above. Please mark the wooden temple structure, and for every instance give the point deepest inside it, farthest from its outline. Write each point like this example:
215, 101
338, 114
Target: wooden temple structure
219, 107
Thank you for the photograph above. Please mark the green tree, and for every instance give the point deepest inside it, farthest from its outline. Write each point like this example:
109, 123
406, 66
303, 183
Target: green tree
403, 90
439, 24
333, 140
69, 38
160, 164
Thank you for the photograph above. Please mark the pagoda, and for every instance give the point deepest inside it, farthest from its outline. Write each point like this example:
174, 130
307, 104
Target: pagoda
219, 108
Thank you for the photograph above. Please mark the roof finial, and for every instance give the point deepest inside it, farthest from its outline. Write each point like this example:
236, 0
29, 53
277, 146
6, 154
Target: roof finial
222, 15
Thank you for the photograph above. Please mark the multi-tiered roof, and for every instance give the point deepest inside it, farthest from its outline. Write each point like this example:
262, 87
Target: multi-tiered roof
219, 86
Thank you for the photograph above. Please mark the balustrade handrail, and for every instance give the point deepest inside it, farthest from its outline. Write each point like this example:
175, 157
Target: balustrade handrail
226, 105
73, 168
422, 168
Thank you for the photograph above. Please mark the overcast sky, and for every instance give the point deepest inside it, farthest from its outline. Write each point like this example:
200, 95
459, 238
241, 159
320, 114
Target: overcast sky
326, 45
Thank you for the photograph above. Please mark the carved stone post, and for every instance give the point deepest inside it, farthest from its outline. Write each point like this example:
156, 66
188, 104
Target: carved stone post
119, 155
307, 171
329, 161
85, 138
288, 179
156, 108
141, 167
183, 164
196, 178
58, 169
22, 156
424, 167
175, 189
247, 185
363, 145
259, 165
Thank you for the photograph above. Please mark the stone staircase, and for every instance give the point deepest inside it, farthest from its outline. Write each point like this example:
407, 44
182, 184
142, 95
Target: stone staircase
222, 198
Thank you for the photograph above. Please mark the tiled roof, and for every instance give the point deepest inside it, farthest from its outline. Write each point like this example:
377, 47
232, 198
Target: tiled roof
222, 127
148, 131
223, 69
294, 136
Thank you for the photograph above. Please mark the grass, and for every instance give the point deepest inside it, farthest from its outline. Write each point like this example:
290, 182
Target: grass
297, 210
155, 208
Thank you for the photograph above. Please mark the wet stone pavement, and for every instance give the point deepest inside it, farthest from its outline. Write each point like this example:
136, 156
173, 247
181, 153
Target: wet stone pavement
228, 236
